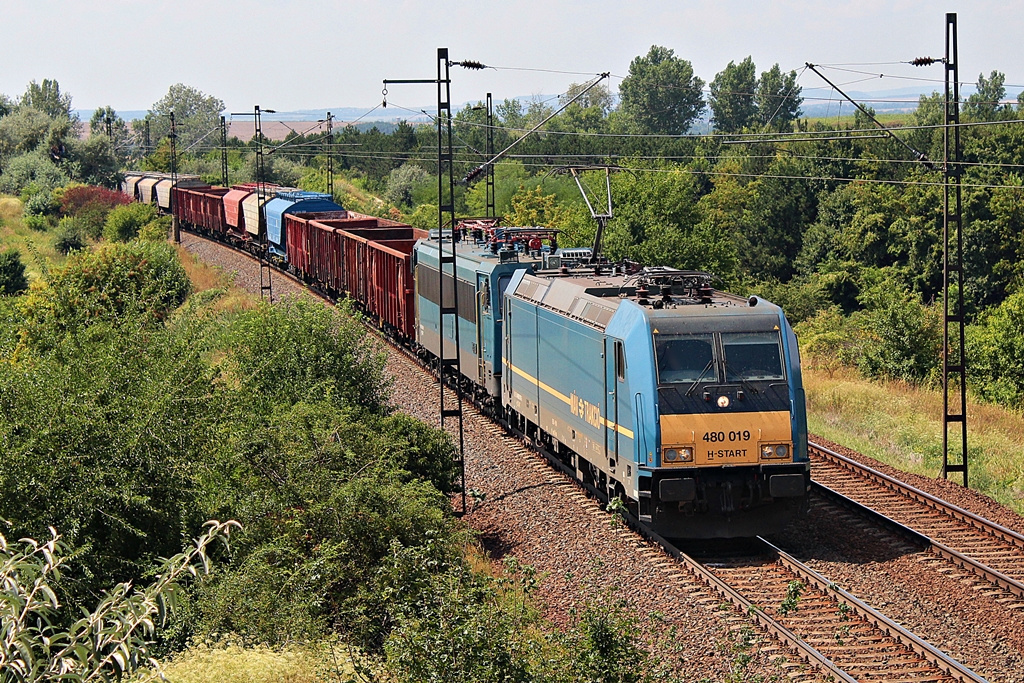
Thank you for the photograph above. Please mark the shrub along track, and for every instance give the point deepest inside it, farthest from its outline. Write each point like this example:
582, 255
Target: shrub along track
542, 518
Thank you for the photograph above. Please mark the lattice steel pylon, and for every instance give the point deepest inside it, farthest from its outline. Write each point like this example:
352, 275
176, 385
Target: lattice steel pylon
449, 368
491, 211
330, 155
449, 365
175, 225
954, 357
266, 272
224, 151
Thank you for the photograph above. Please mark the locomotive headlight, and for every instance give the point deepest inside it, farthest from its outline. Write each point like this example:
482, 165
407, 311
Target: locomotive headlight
677, 455
775, 450
723, 401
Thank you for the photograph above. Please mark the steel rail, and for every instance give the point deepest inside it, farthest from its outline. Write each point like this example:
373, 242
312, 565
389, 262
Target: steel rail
952, 555
920, 496
883, 623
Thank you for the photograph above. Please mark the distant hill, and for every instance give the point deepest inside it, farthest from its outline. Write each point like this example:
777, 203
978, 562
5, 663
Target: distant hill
818, 102
422, 114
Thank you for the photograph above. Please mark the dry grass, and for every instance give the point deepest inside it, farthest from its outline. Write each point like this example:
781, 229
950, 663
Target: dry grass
37, 250
237, 664
901, 425
10, 208
206, 278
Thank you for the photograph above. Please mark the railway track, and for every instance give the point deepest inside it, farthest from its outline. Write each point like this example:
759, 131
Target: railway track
962, 539
830, 628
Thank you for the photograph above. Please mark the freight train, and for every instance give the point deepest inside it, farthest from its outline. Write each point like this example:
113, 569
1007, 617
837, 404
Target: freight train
648, 384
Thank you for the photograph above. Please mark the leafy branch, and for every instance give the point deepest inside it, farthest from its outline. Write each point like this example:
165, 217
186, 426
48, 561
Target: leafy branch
109, 642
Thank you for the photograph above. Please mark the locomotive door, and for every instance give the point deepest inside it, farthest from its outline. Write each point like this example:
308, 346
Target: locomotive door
484, 316
614, 361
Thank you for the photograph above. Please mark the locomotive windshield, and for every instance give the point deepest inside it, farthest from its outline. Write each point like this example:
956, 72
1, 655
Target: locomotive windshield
744, 357
685, 358
752, 356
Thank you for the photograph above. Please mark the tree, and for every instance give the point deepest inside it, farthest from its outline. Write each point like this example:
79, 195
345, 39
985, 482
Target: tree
902, 337
195, 114
995, 346
533, 207
32, 168
986, 104
599, 96
96, 162
23, 131
732, 100
825, 340
661, 94
106, 122
47, 97
12, 273
778, 99
403, 181
657, 223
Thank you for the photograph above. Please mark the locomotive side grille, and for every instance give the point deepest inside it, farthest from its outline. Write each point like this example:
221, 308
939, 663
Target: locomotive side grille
426, 285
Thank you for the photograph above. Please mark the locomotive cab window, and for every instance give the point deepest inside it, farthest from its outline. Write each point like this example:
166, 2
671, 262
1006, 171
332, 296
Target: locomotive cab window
685, 358
752, 356
620, 362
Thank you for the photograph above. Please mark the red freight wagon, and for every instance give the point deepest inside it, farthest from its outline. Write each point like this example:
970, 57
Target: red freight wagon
327, 258
312, 248
182, 205
209, 205
377, 272
201, 207
392, 289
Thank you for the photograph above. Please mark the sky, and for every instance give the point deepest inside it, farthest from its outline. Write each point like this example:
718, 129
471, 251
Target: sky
313, 54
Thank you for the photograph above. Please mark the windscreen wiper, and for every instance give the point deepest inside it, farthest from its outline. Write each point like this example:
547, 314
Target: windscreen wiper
742, 380
700, 377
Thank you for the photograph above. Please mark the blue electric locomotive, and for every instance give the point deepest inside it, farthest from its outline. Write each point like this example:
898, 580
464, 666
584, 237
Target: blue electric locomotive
684, 401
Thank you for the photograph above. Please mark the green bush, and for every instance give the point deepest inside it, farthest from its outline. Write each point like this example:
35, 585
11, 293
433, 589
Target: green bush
901, 338
457, 628
124, 222
460, 625
138, 283
323, 492
12, 273
41, 204
828, 341
104, 437
70, 235
301, 350
107, 641
93, 218
156, 230
36, 222
995, 348
312, 561
33, 168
